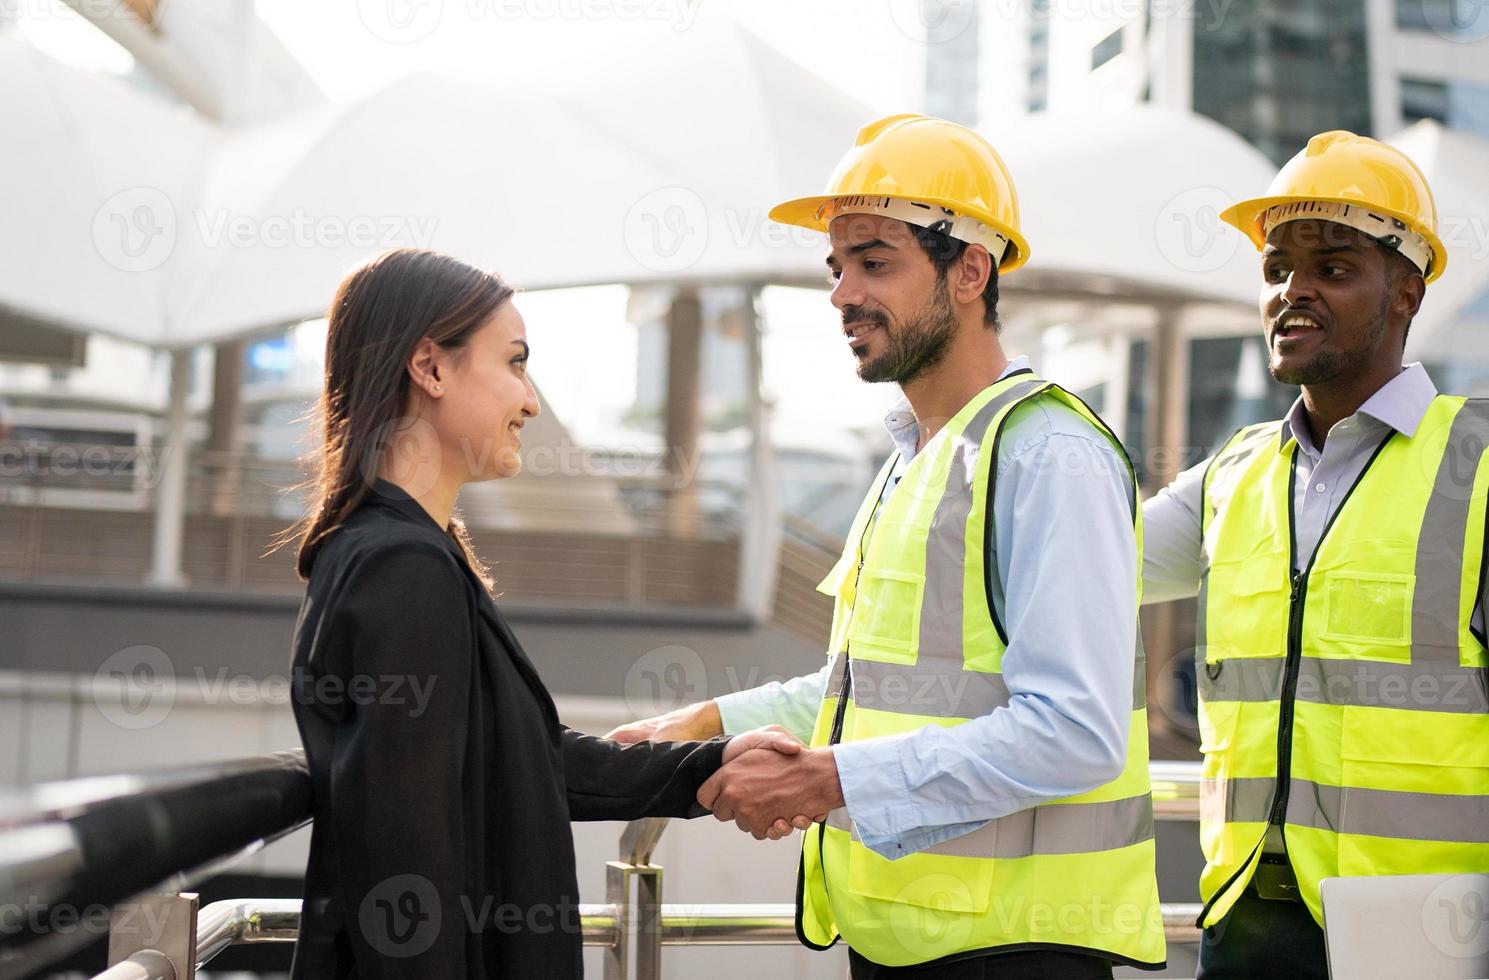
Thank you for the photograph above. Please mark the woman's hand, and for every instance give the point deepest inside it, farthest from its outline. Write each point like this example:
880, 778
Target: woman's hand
770, 737
694, 723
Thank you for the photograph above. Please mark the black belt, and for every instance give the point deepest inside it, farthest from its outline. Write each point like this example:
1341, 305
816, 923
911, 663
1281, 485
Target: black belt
1274, 880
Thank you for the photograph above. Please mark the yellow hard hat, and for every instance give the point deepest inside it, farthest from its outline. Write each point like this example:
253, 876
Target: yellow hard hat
1356, 181
926, 171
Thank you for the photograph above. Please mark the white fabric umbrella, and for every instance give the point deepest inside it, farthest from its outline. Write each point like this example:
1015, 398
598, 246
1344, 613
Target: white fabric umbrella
1134, 199
90, 166
659, 166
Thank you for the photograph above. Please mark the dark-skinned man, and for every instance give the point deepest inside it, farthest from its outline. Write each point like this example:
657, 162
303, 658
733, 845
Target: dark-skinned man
1337, 556
978, 757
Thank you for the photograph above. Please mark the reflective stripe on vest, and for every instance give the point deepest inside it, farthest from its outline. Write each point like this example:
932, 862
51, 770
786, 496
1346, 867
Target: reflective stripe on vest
915, 633
1388, 747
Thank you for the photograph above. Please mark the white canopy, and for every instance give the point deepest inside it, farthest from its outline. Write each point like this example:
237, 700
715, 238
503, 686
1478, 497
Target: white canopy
657, 163
1130, 202
159, 228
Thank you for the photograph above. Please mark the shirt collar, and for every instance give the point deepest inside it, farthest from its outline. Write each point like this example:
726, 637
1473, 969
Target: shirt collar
900, 420
385, 493
1400, 404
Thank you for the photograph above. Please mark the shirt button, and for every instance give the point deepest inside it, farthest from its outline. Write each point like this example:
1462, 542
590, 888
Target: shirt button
1320, 487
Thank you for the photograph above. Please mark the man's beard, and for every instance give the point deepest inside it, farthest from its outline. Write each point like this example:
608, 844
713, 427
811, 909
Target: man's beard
1327, 365
918, 345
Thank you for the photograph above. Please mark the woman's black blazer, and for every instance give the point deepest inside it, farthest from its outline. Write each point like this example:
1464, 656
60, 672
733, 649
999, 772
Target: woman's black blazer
444, 782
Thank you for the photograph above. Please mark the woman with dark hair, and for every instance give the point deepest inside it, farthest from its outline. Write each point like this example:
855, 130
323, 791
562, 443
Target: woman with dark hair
444, 781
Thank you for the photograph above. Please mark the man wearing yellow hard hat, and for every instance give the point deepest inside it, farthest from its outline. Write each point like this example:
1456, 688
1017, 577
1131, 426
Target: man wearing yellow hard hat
1338, 558
979, 759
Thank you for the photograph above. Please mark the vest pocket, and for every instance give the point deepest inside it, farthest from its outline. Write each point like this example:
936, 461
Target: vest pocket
1217, 742
1417, 777
938, 882
1372, 609
1245, 621
886, 616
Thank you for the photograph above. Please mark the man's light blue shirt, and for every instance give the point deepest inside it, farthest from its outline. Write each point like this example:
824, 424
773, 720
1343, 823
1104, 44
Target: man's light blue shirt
1064, 586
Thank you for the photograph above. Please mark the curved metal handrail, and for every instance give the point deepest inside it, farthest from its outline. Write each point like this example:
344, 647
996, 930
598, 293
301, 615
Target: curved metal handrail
239, 921
99, 841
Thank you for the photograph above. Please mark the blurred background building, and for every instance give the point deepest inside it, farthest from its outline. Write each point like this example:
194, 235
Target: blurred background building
184, 182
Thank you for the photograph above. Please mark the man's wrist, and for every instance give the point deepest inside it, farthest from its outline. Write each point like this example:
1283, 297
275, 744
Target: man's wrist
825, 768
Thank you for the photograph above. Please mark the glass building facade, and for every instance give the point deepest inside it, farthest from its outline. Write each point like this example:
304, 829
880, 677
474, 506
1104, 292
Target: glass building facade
1279, 71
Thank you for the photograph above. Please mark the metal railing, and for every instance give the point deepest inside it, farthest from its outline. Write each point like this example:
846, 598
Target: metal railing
137, 843
595, 539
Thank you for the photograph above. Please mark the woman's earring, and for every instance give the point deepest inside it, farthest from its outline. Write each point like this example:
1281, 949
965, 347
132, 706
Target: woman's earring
436, 387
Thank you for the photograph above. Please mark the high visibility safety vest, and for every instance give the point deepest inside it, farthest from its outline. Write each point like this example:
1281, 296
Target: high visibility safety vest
1358, 676
915, 641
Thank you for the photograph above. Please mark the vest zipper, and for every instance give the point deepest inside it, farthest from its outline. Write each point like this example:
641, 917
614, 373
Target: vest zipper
1289, 690
841, 711
1294, 663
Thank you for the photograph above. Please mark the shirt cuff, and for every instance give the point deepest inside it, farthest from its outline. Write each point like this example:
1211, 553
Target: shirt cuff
875, 792
743, 710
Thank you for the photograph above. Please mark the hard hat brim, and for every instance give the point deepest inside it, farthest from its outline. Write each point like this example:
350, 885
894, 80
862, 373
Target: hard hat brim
807, 212
1246, 217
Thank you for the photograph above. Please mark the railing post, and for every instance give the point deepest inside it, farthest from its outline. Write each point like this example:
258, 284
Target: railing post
638, 907
156, 934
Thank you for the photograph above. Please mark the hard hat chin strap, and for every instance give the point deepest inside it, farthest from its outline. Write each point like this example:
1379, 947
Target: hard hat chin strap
1390, 232
940, 219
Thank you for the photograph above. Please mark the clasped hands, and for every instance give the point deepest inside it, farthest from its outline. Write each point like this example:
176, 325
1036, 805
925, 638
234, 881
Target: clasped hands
770, 782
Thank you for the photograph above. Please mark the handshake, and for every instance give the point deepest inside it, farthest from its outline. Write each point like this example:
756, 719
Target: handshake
770, 782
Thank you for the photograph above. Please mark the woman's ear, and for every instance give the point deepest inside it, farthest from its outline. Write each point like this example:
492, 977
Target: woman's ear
424, 367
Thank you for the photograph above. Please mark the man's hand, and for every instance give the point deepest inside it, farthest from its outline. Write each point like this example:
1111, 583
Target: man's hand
765, 793
695, 722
